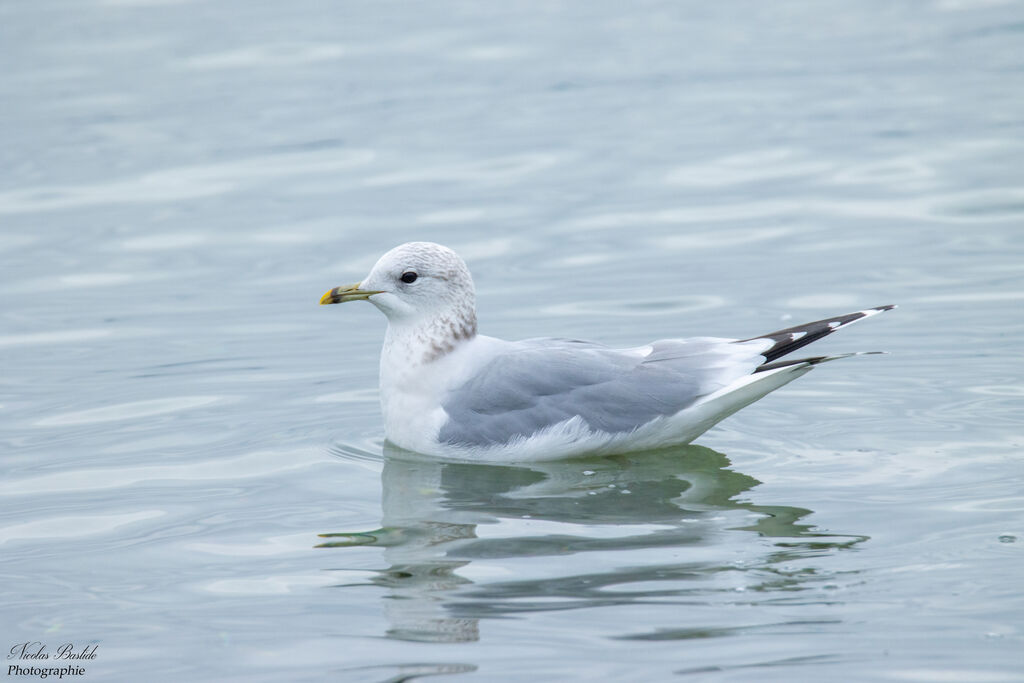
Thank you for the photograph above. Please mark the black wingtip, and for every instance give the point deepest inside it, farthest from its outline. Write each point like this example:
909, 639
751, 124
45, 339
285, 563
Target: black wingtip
816, 360
792, 338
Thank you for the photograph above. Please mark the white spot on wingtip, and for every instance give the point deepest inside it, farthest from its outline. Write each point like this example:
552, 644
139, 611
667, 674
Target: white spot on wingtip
875, 311
797, 335
834, 324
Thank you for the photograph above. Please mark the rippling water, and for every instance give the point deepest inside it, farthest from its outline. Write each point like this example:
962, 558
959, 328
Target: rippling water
195, 478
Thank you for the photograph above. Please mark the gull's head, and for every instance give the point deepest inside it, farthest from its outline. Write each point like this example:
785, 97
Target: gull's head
417, 283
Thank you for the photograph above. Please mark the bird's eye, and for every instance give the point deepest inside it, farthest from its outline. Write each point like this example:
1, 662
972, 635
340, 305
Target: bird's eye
408, 277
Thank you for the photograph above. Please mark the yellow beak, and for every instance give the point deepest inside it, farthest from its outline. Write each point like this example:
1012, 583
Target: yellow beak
340, 295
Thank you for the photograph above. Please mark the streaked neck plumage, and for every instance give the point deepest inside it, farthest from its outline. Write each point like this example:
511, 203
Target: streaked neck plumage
424, 340
410, 360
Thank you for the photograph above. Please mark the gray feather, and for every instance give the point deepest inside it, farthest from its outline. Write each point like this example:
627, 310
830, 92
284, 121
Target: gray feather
538, 383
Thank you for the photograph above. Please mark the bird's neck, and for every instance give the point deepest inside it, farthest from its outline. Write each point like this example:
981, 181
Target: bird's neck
413, 343
412, 370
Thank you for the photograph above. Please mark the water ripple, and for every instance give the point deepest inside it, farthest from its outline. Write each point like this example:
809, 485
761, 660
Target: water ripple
100, 478
128, 411
184, 182
267, 55
78, 526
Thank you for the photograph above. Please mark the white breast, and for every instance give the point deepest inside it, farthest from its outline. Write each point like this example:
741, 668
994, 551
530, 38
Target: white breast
412, 391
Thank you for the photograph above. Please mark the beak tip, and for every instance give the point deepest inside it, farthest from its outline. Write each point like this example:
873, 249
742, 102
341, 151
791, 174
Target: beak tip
340, 295
329, 297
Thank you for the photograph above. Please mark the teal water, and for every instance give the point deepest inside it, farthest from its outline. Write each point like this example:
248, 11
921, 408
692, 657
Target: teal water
194, 473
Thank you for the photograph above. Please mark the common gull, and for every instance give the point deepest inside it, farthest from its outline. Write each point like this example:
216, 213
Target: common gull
447, 391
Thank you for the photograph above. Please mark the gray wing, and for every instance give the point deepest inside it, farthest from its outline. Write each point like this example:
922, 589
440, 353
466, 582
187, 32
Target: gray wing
539, 383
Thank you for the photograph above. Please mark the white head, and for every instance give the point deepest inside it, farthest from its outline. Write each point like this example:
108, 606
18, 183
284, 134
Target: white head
423, 288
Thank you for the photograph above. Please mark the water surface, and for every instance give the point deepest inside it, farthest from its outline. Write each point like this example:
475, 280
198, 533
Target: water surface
195, 478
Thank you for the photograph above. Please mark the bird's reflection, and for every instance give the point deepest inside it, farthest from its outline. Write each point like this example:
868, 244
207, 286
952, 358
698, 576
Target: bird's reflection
466, 541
